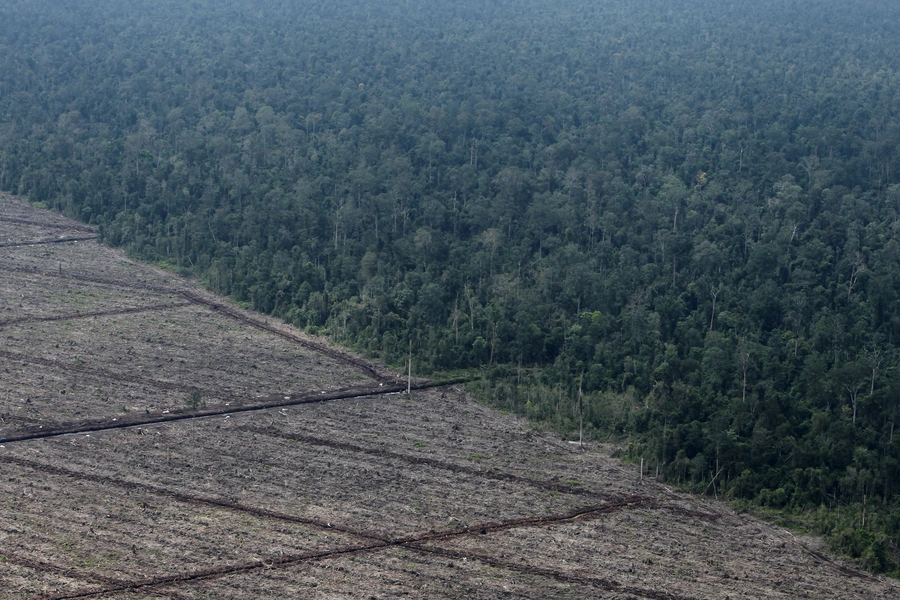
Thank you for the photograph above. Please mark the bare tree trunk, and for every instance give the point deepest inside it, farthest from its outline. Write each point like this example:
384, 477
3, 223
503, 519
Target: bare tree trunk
409, 370
581, 413
854, 398
744, 387
744, 358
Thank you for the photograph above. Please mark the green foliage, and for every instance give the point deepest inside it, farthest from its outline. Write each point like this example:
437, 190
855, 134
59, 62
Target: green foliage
857, 530
675, 228
194, 400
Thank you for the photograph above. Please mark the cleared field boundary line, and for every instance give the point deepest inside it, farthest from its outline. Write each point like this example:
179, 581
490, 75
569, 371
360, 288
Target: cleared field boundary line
552, 486
101, 373
72, 227
609, 585
367, 368
120, 283
386, 454
412, 543
99, 313
183, 497
47, 567
338, 355
429, 462
42, 242
274, 401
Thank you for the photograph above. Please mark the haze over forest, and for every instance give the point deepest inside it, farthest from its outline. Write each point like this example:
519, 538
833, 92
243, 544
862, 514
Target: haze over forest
674, 223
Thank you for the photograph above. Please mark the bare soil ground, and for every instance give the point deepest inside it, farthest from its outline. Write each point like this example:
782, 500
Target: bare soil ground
364, 493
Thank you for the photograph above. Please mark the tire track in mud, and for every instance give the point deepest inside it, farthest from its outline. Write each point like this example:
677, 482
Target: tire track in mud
412, 543
99, 313
65, 240
72, 227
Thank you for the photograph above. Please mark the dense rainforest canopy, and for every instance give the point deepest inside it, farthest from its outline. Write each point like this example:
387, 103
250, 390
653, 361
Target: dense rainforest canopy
673, 222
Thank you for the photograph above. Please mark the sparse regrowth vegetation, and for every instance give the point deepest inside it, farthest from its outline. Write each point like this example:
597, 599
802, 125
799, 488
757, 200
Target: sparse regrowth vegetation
195, 400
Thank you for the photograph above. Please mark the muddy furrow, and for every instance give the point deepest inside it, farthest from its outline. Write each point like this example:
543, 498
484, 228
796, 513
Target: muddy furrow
72, 227
100, 313
409, 542
343, 357
65, 240
429, 462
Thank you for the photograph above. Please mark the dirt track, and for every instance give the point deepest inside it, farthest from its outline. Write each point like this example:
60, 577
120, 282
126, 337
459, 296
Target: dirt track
162, 443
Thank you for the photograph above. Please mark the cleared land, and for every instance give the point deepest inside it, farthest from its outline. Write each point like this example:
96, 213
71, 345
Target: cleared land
260, 462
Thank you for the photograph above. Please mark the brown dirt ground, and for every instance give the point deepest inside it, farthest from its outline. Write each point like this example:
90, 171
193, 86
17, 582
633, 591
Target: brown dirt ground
374, 496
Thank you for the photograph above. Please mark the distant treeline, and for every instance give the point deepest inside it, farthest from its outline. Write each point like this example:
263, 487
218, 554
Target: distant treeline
672, 224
